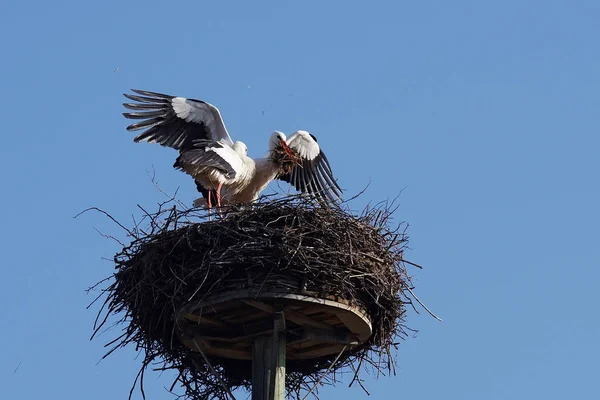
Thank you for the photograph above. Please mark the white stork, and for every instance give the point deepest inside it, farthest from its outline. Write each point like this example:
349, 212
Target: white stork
216, 162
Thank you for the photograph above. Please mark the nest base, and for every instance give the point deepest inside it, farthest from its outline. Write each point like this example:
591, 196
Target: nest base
227, 325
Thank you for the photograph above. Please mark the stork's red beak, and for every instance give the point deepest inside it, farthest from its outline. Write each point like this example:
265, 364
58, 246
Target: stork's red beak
287, 149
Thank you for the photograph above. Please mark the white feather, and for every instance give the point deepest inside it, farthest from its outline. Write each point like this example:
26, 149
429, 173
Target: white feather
200, 112
304, 144
231, 157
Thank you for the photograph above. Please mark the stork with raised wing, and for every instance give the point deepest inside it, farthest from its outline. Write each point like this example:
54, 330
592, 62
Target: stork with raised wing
220, 166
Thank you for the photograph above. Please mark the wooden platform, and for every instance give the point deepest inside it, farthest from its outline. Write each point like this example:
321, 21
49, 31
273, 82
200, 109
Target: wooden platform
227, 325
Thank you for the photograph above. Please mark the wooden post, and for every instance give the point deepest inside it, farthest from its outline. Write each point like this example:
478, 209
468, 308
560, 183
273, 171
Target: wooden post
268, 363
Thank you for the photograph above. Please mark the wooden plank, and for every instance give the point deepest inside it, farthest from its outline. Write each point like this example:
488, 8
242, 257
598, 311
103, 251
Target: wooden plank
228, 334
277, 386
330, 319
204, 319
260, 305
234, 311
290, 354
228, 352
246, 307
314, 309
268, 364
211, 348
354, 324
273, 293
261, 371
258, 327
212, 338
298, 345
326, 336
319, 350
291, 315
249, 317
303, 320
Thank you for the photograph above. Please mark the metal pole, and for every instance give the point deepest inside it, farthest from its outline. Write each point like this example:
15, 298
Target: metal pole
268, 363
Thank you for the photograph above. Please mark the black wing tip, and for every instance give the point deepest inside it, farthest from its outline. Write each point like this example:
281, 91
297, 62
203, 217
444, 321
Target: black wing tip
142, 137
153, 94
135, 98
132, 126
131, 90
140, 91
148, 97
142, 124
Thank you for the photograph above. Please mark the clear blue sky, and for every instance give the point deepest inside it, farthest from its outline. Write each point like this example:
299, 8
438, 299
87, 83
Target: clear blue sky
484, 113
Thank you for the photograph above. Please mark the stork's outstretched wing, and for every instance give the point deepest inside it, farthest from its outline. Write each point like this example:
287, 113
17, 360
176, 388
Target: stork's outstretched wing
314, 174
210, 154
174, 121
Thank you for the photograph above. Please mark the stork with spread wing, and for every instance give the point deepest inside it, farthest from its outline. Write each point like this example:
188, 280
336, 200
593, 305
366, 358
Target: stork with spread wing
220, 166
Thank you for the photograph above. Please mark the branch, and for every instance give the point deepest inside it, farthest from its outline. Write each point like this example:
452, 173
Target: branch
423, 305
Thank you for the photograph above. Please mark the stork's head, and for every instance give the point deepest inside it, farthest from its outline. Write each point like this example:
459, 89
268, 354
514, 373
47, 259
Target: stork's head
240, 148
279, 139
276, 139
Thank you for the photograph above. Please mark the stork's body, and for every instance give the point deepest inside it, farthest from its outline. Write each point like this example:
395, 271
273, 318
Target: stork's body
264, 172
214, 165
220, 166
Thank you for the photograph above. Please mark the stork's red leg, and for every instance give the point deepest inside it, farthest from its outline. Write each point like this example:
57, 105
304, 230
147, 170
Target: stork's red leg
208, 198
219, 194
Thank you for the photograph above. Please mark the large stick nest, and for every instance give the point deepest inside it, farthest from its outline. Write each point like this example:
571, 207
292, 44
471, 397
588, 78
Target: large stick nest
182, 255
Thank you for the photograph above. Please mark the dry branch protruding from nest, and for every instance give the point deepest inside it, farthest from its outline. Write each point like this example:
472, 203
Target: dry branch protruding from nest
182, 256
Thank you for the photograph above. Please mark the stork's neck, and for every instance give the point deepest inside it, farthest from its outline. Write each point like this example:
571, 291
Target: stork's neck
266, 171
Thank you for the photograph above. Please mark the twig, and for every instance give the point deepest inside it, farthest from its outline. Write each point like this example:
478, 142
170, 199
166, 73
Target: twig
325, 373
108, 215
212, 369
412, 263
109, 237
422, 305
357, 379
